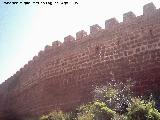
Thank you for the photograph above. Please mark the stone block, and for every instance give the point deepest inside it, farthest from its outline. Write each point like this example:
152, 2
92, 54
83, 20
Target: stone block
35, 58
129, 16
149, 9
56, 43
95, 28
47, 47
109, 24
69, 39
81, 34
40, 53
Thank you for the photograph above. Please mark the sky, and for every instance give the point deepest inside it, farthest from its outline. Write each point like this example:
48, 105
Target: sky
27, 29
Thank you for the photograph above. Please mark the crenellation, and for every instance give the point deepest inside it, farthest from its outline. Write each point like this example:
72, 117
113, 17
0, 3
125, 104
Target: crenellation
81, 34
12, 78
149, 9
56, 43
129, 49
47, 48
129, 16
111, 23
18, 73
35, 58
40, 53
30, 62
69, 39
22, 69
95, 28
25, 68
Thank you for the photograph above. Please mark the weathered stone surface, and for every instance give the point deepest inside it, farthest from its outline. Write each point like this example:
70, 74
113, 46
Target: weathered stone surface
95, 28
111, 23
128, 17
149, 9
81, 34
69, 39
63, 77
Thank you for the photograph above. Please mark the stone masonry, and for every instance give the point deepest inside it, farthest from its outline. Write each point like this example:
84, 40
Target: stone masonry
64, 74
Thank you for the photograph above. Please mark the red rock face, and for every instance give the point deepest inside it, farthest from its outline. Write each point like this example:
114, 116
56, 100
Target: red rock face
63, 76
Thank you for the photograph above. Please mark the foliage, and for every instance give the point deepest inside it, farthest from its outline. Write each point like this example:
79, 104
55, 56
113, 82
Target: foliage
86, 112
142, 110
120, 117
73, 114
96, 111
153, 95
112, 102
55, 115
117, 96
85, 116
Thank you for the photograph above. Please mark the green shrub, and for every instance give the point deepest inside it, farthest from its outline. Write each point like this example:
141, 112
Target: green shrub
117, 96
112, 102
120, 117
85, 116
55, 115
142, 110
96, 111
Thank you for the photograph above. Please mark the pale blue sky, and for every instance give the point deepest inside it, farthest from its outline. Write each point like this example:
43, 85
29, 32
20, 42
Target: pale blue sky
25, 30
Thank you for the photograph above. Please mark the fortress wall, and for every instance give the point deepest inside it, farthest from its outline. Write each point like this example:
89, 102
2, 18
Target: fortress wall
64, 74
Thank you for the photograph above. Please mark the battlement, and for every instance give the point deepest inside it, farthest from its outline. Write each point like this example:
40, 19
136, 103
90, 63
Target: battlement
56, 44
47, 48
112, 24
149, 9
128, 49
68, 39
35, 58
81, 34
95, 28
129, 16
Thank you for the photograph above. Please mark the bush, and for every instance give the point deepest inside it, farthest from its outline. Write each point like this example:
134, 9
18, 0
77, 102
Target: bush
55, 115
95, 111
120, 117
142, 110
117, 96
85, 116
112, 102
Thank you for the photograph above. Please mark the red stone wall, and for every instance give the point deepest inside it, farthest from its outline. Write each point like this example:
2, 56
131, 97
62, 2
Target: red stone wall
63, 75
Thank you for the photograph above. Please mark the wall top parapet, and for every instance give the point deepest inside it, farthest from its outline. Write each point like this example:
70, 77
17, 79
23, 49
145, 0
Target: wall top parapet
111, 24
